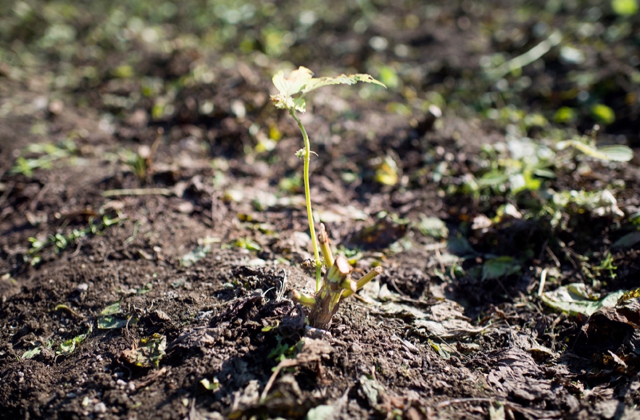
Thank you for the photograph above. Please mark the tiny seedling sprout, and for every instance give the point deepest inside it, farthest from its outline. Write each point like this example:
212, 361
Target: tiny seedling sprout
291, 96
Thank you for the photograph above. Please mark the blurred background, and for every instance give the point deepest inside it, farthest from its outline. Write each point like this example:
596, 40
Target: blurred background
555, 66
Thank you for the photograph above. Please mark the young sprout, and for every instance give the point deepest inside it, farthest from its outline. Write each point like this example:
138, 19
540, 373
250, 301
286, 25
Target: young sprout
291, 91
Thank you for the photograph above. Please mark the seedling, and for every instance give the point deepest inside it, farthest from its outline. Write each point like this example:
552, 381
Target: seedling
60, 242
141, 163
338, 283
47, 153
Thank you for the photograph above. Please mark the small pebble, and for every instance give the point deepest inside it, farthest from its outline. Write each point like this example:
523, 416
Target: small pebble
100, 408
82, 287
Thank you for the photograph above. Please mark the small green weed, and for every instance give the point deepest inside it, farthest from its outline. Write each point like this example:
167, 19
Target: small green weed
59, 242
42, 156
607, 265
285, 351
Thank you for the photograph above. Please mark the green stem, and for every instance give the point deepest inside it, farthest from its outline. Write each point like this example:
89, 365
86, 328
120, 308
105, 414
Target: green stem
307, 194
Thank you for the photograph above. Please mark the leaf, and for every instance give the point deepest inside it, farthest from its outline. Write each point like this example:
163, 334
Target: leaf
574, 300
146, 289
617, 153
269, 327
343, 79
497, 412
627, 241
67, 347
442, 352
29, 354
112, 309
302, 81
499, 267
300, 104
432, 226
321, 412
148, 352
290, 86
210, 385
247, 244
371, 390
524, 182
493, 179
264, 200
294, 83
111, 322
194, 256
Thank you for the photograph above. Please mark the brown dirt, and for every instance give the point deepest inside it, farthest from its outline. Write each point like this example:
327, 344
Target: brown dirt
375, 361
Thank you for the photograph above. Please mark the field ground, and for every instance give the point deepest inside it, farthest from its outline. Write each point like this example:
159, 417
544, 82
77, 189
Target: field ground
152, 219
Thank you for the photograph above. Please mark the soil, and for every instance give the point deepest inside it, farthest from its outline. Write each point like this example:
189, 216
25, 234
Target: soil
203, 247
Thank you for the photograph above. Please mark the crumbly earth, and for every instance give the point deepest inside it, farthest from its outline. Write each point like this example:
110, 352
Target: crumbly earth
200, 245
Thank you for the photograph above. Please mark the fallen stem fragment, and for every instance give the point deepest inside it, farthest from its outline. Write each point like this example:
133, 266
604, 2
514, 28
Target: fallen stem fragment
138, 191
527, 58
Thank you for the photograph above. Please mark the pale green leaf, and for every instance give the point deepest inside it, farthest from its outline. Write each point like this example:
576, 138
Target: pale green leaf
321, 412
280, 82
343, 79
111, 322
294, 83
112, 309
300, 104
371, 389
499, 267
194, 256
31, 353
493, 179
574, 300
432, 226
616, 153
497, 412
67, 347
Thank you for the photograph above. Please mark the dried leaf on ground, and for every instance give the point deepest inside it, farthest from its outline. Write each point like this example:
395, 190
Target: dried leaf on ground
147, 353
518, 376
446, 320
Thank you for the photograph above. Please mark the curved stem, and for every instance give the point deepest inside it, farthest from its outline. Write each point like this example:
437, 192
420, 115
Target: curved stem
307, 194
